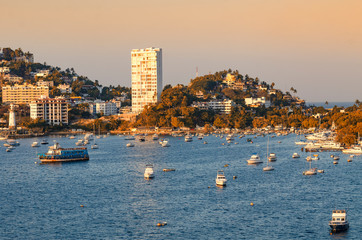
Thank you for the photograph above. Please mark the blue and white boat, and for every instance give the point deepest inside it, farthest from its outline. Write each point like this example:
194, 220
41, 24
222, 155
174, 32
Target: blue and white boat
58, 154
339, 221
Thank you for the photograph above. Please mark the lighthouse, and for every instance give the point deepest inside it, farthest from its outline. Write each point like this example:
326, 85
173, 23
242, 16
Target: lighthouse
12, 122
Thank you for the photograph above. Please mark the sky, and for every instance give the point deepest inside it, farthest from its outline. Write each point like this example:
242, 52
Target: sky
314, 46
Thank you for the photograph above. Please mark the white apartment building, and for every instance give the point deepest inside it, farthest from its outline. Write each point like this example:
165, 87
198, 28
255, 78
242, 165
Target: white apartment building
222, 106
105, 108
256, 102
146, 77
53, 110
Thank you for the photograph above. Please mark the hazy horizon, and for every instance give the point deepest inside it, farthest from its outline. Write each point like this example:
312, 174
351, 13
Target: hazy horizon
313, 46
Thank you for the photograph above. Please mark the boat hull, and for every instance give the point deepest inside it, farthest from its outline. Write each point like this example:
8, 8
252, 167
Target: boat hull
64, 160
338, 227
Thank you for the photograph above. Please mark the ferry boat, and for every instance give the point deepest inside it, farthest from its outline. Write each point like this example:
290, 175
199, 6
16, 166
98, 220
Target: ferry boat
58, 154
339, 221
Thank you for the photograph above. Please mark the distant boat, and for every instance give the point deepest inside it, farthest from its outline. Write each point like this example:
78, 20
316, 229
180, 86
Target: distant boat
315, 157
336, 158
339, 221
149, 171
295, 155
254, 159
353, 150
188, 138
310, 171
72, 137
130, 137
220, 178
272, 157
165, 143
9, 149
142, 138
94, 146
35, 144
130, 145
44, 141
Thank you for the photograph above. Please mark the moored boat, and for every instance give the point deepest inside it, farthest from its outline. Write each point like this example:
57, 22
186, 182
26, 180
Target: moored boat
254, 159
220, 178
272, 157
339, 221
296, 155
58, 154
149, 171
35, 144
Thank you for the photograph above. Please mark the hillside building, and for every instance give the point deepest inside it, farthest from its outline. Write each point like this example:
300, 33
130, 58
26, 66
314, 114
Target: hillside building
23, 94
146, 77
52, 110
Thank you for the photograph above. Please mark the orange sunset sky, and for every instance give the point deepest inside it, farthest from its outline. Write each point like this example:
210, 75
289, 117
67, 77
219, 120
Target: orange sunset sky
313, 46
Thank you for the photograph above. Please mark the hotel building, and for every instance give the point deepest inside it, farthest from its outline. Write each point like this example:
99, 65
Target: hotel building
146, 77
23, 94
52, 110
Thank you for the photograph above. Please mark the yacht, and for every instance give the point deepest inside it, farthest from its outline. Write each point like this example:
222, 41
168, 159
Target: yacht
149, 171
165, 143
295, 155
339, 221
35, 144
188, 138
220, 178
310, 171
272, 157
254, 159
353, 150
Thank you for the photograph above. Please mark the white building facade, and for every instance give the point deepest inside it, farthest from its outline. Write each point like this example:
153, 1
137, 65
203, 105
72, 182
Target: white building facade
105, 108
257, 102
52, 110
146, 77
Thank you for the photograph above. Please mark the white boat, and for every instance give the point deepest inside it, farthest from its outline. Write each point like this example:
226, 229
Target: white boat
79, 142
272, 157
130, 137
155, 137
35, 144
254, 159
315, 157
339, 221
149, 171
188, 138
295, 155
165, 143
229, 137
336, 158
310, 171
94, 146
9, 149
353, 150
309, 158
72, 137
130, 145
220, 178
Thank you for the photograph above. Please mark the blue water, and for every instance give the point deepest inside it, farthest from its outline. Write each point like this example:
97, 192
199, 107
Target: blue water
43, 201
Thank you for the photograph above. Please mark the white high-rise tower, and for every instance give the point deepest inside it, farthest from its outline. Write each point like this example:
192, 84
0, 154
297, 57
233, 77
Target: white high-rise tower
12, 122
146, 77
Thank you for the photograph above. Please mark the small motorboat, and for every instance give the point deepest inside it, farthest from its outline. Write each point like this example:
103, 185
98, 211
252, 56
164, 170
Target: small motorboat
254, 159
149, 171
35, 144
268, 168
339, 221
188, 138
272, 157
315, 157
94, 146
9, 149
336, 158
295, 155
309, 158
130, 137
72, 137
165, 143
130, 145
220, 178
44, 141
169, 169
320, 171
